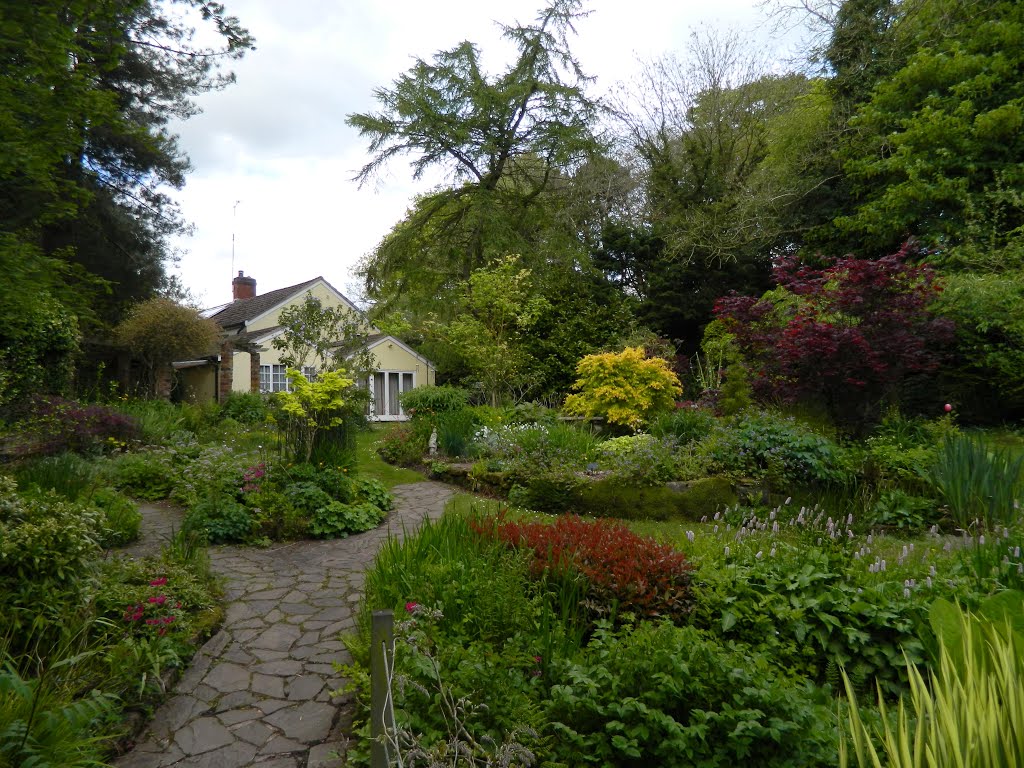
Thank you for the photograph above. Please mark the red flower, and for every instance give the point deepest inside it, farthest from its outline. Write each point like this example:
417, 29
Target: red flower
159, 599
410, 607
158, 582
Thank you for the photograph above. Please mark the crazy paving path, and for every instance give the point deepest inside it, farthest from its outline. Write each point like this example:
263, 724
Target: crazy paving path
258, 693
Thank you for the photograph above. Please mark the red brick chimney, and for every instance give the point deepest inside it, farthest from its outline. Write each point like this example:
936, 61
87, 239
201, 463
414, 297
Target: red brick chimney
243, 287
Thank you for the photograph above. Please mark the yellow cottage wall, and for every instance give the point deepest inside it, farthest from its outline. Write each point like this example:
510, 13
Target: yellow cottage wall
392, 357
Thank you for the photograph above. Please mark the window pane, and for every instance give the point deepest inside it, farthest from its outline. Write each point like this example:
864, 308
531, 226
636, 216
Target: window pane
392, 394
406, 382
378, 393
264, 378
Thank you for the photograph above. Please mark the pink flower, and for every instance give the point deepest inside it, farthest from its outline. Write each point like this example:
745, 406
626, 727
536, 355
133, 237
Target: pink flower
538, 659
158, 582
947, 408
159, 599
410, 607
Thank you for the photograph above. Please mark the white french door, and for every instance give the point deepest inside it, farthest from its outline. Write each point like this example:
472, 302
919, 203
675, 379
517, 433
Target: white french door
385, 388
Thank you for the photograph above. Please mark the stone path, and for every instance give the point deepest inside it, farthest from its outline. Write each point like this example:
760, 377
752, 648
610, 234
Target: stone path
258, 692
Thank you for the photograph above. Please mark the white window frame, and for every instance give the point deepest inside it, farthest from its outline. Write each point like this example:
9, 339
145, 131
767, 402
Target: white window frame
385, 398
274, 380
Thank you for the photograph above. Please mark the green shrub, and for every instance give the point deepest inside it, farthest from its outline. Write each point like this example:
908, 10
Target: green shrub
901, 450
530, 413
336, 520
333, 481
656, 694
686, 425
479, 583
427, 406
276, 517
777, 449
402, 446
220, 519
216, 469
145, 475
47, 548
530, 450
121, 517
245, 408
639, 459
625, 388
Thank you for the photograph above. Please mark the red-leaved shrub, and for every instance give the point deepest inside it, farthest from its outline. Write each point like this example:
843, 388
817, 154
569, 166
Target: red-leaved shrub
623, 571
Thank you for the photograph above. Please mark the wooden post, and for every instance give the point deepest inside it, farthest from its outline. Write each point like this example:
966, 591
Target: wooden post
381, 640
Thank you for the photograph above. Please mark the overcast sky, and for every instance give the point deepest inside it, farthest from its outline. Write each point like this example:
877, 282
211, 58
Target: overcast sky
277, 141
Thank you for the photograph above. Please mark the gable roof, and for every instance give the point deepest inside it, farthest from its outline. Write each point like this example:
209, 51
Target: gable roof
376, 339
243, 311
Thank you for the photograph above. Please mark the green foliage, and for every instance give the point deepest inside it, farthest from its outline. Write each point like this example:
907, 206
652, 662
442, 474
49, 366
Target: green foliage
477, 583
490, 330
455, 432
144, 474
372, 491
38, 346
324, 338
47, 545
663, 695
160, 331
898, 509
980, 485
939, 136
159, 420
625, 388
403, 446
40, 727
245, 407
336, 520
989, 373
505, 138
804, 607
427, 405
68, 474
311, 410
639, 459
706, 496
965, 711
551, 490
686, 425
778, 449
121, 517
220, 519
902, 450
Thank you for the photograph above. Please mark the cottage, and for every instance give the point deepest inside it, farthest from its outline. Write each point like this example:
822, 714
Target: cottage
247, 362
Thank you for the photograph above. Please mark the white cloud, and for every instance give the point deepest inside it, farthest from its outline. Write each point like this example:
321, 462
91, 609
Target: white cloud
277, 139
